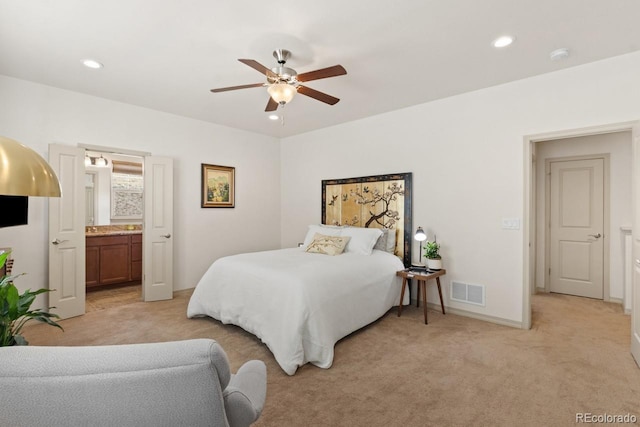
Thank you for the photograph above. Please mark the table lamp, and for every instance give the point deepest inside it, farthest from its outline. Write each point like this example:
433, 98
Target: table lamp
420, 236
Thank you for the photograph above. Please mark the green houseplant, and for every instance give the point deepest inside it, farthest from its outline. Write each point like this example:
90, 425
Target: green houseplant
432, 254
15, 309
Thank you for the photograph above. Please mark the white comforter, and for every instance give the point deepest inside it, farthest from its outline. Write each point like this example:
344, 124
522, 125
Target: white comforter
299, 304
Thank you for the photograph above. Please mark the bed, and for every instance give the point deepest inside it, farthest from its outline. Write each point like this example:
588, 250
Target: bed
301, 301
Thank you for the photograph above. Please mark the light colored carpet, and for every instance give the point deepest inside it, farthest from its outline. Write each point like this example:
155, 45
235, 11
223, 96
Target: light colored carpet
455, 371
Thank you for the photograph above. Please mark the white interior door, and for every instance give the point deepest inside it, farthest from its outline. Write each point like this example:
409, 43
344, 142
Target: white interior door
576, 255
67, 233
635, 294
157, 250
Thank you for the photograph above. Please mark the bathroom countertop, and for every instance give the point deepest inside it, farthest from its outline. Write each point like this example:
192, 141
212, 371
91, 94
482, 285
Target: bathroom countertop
112, 230
112, 233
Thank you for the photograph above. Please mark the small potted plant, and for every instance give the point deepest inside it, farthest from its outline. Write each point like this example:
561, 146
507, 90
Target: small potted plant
15, 309
432, 254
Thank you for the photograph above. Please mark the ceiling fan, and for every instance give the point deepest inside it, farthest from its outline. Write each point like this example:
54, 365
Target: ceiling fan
284, 82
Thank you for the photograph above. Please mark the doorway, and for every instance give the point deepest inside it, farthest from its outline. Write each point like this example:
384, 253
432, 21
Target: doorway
574, 143
68, 229
589, 177
114, 189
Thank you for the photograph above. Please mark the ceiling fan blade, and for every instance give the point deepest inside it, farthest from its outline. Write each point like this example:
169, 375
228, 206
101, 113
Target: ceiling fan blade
259, 67
271, 105
336, 70
320, 96
224, 89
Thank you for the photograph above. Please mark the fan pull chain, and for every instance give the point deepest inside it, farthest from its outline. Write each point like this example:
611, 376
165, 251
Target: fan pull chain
282, 115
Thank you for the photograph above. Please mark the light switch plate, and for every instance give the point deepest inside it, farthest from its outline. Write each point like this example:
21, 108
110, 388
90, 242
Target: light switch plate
511, 223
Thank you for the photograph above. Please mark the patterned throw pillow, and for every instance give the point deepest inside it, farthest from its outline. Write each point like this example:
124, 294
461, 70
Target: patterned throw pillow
328, 245
387, 242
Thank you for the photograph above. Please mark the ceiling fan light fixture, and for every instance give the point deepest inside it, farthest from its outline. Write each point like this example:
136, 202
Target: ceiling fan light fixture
282, 93
273, 117
282, 82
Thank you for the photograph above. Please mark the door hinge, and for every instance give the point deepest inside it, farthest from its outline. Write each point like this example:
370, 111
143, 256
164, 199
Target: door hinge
549, 271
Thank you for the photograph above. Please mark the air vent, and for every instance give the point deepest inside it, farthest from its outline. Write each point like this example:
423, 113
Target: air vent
467, 293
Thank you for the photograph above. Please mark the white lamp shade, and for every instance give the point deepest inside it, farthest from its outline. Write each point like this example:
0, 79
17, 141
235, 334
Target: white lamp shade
23, 172
282, 93
101, 161
420, 235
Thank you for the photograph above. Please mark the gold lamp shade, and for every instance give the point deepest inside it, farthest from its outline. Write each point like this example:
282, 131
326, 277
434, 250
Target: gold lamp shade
23, 172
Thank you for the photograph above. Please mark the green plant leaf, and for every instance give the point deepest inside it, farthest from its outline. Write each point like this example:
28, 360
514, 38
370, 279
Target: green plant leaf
15, 311
3, 258
432, 250
10, 279
12, 298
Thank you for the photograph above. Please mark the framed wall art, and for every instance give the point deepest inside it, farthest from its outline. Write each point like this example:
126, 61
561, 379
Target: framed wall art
218, 186
380, 201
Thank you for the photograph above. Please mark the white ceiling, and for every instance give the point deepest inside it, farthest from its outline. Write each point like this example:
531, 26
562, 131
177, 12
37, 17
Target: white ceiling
167, 54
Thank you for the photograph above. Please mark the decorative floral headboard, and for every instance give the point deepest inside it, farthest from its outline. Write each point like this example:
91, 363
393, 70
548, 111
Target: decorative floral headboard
380, 201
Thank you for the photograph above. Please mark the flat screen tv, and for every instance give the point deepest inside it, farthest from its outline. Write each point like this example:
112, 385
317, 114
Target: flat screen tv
14, 210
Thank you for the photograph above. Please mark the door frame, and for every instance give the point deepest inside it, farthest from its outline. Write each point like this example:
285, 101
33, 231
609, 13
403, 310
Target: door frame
152, 291
114, 150
605, 220
529, 177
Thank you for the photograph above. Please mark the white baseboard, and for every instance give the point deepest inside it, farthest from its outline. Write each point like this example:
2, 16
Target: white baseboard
615, 300
472, 315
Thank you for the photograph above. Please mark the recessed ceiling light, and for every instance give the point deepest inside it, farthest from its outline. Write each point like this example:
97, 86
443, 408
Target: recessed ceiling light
92, 63
503, 41
273, 117
559, 54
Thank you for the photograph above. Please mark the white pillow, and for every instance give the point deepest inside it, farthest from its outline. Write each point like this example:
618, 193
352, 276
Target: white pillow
327, 230
387, 241
392, 239
362, 239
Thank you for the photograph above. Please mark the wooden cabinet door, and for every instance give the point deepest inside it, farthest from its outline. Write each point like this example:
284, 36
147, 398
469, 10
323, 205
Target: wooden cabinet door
93, 266
136, 257
114, 263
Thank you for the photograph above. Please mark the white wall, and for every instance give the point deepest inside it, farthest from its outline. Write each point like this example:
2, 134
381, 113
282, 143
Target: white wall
618, 146
467, 156
466, 153
37, 115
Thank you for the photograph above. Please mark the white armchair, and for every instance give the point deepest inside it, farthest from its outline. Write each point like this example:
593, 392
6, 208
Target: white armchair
180, 383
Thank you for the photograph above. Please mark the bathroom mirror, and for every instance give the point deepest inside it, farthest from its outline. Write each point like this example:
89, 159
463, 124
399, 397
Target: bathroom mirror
114, 188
